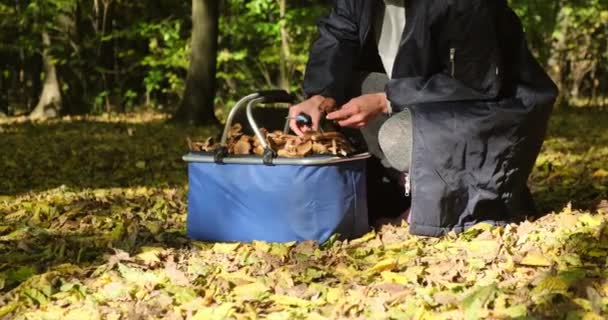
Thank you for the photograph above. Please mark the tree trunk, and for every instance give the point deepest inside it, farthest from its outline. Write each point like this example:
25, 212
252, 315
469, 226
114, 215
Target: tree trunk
77, 99
33, 70
3, 97
557, 62
196, 106
285, 52
49, 104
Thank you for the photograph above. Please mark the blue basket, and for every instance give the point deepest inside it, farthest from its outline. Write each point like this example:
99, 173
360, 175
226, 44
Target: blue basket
247, 198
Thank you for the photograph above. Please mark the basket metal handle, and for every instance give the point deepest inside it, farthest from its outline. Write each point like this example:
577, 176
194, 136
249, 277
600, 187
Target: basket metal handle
270, 96
268, 154
251, 101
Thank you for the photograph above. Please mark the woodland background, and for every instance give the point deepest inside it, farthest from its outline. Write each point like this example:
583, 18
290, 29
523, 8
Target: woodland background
96, 56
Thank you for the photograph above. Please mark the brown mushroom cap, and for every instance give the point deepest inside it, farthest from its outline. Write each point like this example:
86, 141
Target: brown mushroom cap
258, 150
326, 136
285, 145
235, 131
287, 154
304, 149
319, 148
243, 146
206, 146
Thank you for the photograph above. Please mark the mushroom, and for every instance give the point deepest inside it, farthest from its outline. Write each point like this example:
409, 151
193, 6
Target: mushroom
287, 154
334, 147
272, 143
258, 150
235, 131
206, 146
326, 136
285, 145
243, 146
304, 149
209, 145
319, 148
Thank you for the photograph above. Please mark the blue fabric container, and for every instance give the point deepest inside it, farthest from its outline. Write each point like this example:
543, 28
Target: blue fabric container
278, 203
247, 198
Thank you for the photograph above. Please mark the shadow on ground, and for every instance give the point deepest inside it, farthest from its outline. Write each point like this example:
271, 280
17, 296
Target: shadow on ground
573, 164
95, 154
90, 154
63, 227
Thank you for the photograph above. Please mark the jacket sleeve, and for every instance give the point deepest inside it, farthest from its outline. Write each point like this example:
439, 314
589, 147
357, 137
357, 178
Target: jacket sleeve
457, 42
333, 55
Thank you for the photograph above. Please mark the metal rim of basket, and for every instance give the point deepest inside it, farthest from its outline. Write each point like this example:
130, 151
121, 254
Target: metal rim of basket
269, 157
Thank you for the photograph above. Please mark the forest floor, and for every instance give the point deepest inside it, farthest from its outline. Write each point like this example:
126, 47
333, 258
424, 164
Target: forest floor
92, 214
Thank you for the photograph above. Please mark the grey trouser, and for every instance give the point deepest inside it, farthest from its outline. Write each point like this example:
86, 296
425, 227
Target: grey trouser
385, 190
387, 138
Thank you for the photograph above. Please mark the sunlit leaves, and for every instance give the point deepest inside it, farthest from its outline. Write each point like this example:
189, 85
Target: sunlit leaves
110, 243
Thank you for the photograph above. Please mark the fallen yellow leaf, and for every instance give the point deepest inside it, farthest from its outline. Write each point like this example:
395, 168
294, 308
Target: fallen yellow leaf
384, 265
149, 255
591, 220
601, 173
225, 248
536, 260
237, 277
291, 301
316, 316
251, 291
334, 295
550, 285
363, 239
392, 277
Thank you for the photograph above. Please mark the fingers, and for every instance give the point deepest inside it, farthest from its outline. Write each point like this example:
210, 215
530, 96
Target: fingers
350, 115
298, 128
308, 108
295, 128
357, 121
347, 111
315, 123
293, 125
357, 125
313, 107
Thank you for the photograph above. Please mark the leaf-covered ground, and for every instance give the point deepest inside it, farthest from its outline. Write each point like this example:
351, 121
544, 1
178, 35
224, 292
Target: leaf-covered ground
92, 216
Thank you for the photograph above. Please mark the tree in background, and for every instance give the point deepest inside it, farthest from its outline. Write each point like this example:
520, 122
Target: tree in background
264, 44
109, 55
197, 105
571, 39
121, 55
284, 82
50, 101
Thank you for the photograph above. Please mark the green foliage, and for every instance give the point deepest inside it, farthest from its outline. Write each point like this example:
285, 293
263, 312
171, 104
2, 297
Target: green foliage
144, 48
115, 55
250, 44
167, 60
569, 38
108, 53
92, 222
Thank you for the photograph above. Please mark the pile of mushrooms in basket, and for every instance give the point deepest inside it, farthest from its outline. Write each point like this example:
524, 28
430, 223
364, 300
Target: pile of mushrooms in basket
285, 145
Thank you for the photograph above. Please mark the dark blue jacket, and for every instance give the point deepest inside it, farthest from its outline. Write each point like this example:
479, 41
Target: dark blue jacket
480, 104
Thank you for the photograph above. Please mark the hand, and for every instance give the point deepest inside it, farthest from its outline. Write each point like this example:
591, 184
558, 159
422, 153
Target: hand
313, 106
359, 111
